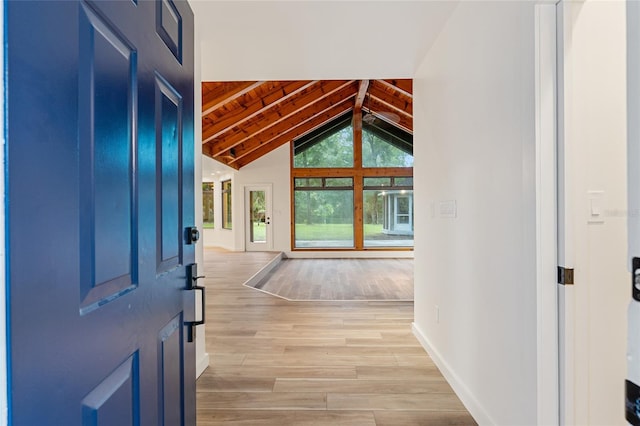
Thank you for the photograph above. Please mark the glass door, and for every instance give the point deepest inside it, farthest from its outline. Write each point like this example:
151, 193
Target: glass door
258, 218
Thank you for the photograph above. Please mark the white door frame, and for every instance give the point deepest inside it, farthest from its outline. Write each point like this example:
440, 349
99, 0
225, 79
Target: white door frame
546, 214
566, 255
268, 244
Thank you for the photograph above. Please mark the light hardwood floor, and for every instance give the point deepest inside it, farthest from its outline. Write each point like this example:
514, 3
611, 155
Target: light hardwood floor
278, 362
341, 279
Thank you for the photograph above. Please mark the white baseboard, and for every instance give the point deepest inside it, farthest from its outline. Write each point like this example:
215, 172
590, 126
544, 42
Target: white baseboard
476, 410
202, 364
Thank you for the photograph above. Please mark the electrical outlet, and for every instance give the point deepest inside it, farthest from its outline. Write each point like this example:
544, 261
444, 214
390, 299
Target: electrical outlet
437, 314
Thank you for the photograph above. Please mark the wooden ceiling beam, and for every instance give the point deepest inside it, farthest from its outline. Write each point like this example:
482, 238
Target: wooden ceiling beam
297, 119
247, 112
404, 85
278, 115
305, 114
362, 92
397, 118
397, 100
258, 150
383, 106
212, 103
227, 112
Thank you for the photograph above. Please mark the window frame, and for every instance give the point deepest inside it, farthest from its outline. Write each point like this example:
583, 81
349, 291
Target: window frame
226, 204
208, 188
357, 173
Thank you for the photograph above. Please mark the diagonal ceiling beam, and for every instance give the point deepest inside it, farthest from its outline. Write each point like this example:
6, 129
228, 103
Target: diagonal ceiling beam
387, 107
210, 105
405, 85
278, 115
297, 119
252, 153
394, 99
362, 92
397, 118
247, 112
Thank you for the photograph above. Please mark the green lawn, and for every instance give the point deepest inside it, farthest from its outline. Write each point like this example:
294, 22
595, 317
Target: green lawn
259, 231
322, 232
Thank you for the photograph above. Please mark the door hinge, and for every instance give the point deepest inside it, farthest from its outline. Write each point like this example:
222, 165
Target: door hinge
565, 275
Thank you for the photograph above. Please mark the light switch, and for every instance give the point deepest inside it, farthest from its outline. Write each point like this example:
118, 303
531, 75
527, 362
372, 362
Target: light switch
596, 206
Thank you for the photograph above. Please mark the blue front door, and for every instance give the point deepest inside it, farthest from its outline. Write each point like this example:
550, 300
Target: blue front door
100, 192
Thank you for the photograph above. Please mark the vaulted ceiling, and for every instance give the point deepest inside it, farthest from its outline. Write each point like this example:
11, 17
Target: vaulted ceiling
243, 121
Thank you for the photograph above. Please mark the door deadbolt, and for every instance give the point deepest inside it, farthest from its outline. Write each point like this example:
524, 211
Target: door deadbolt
192, 234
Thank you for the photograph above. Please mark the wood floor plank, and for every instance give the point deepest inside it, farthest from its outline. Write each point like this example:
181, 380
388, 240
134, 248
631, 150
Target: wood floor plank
327, 333
337, 350
394, 401
368, 372
426, 418
318, 360
279, 362
285, 417
209, 382
436, 385
263, 400
332, 372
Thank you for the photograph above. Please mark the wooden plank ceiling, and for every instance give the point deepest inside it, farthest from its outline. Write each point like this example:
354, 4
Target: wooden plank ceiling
242, 121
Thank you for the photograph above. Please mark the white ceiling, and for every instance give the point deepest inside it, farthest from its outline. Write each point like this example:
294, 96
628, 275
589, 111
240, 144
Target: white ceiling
301, 40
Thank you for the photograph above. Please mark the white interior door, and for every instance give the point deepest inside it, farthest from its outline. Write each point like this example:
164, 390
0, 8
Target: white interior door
593, 205
258, 218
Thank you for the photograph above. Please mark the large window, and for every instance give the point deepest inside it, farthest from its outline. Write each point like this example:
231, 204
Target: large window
353, 189
327, 147
323, 212
226, 204
382, 148
207, 204
388, 212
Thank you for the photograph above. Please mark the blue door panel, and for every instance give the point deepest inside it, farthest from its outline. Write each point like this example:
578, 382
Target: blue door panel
169, 27
100, 186
115, 400
107, 120
168, 164
171, 362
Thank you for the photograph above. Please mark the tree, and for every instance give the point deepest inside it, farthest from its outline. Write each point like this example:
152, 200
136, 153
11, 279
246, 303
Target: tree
336, 150
377, 152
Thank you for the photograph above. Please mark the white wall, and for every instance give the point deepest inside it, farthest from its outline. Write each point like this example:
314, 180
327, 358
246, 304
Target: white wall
475, 284
595, 135
218, 237
274, 169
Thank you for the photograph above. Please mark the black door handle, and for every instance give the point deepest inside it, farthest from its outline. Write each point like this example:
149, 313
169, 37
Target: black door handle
192, 281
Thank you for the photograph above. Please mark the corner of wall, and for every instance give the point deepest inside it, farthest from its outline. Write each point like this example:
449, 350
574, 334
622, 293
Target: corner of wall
474, 133
480, 415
